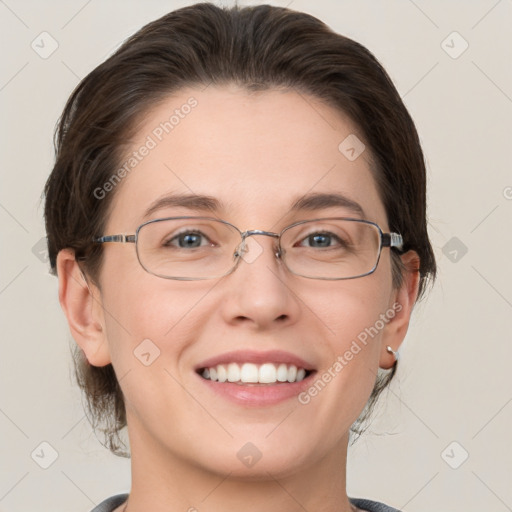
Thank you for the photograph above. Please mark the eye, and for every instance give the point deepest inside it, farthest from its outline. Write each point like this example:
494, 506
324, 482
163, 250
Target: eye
322, 240
188, 240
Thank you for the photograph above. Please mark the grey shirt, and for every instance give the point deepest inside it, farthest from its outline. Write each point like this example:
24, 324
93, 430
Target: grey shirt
113, 502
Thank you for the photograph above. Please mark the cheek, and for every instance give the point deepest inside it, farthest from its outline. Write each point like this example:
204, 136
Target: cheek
355, 327
350, 314
149, 330
348, 309
142, 312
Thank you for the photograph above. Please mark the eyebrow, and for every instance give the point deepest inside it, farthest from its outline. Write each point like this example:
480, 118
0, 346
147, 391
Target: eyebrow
190, 201
310, 202
319, 201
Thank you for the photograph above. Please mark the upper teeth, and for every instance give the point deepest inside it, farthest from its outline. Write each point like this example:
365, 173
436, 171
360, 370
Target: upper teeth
267, 373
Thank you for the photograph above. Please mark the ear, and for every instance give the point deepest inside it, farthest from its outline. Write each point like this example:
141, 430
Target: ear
402, 304
81, 303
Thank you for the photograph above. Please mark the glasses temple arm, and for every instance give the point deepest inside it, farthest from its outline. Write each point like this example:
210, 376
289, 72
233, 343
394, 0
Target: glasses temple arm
115, 238
392, 240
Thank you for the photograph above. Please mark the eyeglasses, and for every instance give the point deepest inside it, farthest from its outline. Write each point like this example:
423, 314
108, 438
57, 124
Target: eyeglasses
195, 248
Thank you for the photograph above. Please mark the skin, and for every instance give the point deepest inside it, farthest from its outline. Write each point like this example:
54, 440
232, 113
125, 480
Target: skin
256, 153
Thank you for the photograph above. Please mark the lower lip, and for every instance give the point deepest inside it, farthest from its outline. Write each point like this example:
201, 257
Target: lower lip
258, 395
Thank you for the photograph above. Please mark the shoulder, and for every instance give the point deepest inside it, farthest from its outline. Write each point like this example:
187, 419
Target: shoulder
111, 503
372, 506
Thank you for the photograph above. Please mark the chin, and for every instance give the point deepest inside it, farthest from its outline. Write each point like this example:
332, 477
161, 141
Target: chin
253, 460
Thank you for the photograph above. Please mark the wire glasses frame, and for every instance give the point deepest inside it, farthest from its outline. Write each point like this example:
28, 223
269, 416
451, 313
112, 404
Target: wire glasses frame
391, 240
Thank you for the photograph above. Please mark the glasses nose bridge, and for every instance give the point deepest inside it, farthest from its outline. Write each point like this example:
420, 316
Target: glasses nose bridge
251, 232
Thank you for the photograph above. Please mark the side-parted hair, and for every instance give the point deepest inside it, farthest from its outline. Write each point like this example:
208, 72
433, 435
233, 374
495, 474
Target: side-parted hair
257, 48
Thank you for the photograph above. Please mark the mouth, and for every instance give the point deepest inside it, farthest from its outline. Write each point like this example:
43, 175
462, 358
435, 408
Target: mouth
255, 374
256, 379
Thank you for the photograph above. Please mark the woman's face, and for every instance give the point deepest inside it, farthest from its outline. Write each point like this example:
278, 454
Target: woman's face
256, 155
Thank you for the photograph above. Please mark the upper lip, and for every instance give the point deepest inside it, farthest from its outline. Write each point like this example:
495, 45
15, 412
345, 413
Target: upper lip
250, 356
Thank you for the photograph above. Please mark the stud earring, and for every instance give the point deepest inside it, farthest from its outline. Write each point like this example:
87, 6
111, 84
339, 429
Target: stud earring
395, 354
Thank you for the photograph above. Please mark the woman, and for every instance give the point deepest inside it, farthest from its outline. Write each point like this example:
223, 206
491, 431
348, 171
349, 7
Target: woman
237, 219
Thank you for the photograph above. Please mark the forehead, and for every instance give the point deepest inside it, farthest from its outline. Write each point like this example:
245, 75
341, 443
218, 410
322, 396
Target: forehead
257, 154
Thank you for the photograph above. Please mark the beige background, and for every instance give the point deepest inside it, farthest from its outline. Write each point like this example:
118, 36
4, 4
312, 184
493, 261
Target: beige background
454, 381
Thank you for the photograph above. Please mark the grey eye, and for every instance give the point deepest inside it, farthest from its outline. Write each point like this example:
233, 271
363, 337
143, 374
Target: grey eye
188, 239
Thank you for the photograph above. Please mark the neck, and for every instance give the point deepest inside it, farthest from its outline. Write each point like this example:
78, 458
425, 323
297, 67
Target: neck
163, 481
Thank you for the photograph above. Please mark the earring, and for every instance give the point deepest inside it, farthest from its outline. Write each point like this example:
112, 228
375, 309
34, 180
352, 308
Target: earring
396, 355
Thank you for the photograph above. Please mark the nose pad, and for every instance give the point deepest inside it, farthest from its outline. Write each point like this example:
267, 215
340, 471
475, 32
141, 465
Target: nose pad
249, 250
240, 250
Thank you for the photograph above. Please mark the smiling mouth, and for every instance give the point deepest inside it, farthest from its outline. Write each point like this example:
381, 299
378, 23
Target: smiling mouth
250, 373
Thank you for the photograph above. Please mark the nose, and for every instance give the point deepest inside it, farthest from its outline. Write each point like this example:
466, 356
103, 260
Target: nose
258, 293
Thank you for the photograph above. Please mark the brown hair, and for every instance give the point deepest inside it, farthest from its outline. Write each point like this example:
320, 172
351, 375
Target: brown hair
258, 48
